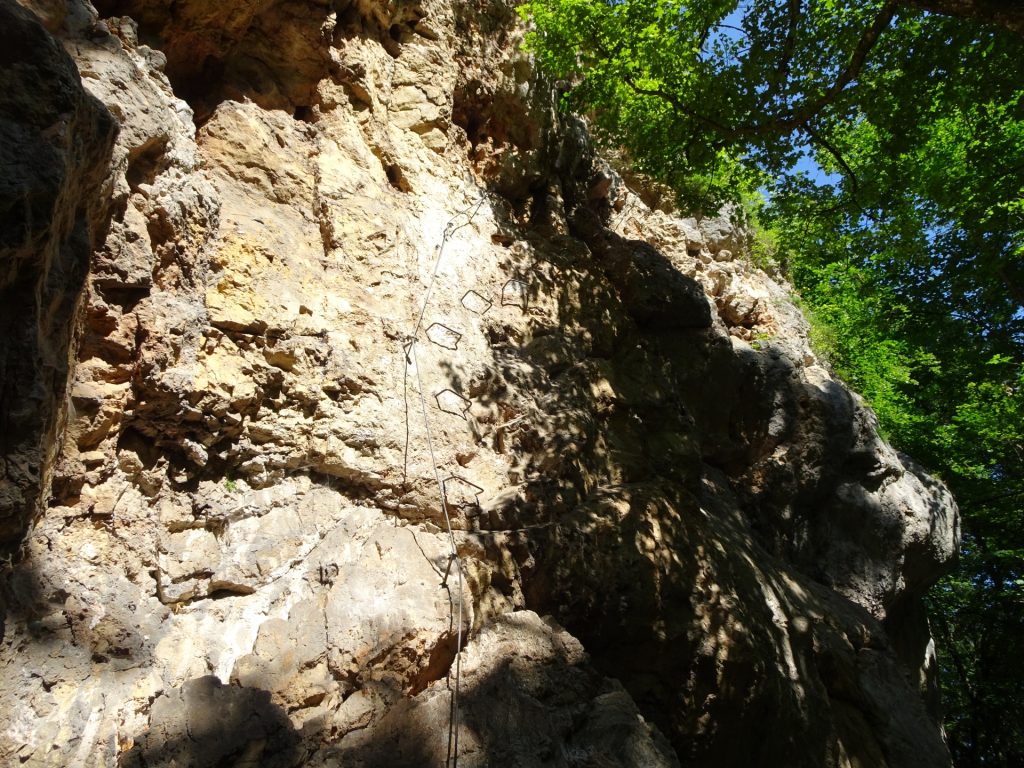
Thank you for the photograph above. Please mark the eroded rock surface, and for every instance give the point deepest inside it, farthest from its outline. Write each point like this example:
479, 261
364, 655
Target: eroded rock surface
55, 143
246, 560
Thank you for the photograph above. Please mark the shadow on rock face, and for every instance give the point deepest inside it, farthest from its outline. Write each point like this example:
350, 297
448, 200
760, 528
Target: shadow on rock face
654, 293
55, 143
738, 658
103, 630
272, 53
700, 513
205, 724
529, 697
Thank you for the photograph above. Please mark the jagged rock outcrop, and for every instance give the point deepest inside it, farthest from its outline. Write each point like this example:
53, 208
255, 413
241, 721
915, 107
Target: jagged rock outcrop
244, 556
55, 143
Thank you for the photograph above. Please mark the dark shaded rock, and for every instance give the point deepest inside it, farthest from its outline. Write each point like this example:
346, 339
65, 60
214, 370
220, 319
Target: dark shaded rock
273, 53
55, 145
530, 697
653, 291
205, 723
746, 586
735, 655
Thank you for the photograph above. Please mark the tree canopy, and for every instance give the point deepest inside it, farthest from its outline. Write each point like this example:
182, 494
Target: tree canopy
907, 246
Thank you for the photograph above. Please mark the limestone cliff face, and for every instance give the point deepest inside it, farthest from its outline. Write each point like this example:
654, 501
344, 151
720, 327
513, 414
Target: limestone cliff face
242, 560
55, 143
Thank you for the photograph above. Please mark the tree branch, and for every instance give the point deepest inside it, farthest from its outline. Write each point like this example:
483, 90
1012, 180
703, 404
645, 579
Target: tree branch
1015, 289
677, 104
789, 47
993, 499
820, 141
801, 115
1006, 14
781, 74
797, 117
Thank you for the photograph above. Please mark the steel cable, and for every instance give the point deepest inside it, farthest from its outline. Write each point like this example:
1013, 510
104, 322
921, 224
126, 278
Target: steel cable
409, 350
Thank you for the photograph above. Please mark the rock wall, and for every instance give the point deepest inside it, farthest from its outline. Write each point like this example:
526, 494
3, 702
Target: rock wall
55, 144
246, 558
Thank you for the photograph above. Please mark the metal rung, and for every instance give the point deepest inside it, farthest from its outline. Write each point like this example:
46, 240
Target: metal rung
476, 303
460, 492
515, 293
443, 336
450, 401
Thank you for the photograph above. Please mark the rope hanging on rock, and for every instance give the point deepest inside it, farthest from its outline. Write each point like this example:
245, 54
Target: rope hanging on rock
409, 350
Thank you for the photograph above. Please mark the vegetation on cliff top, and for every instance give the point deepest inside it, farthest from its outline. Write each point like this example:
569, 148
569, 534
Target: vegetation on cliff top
888, 137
